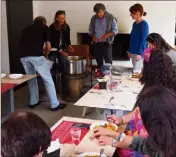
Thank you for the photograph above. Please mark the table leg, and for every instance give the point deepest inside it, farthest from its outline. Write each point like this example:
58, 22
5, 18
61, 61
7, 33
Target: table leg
98, 112
91, 71
84, 111
11, 100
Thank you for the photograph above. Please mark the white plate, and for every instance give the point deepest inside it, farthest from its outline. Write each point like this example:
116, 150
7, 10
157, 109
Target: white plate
133, 79
54, 49
90, 154
16, 76
101, 123
3, 75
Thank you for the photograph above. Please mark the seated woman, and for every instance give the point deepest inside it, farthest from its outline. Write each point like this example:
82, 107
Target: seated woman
157, 106
24, 134
60, 39
158, 72
156, 42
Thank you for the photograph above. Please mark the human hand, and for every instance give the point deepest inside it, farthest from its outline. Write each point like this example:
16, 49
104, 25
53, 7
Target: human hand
103, 132
70, 48
138, 57
114, 119
46, 51
129, 55
46, 57
95, 39
100, 132
105, 140
104, 37
63, 53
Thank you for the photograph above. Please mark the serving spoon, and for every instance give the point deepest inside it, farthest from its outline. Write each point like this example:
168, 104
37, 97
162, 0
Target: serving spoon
101, 152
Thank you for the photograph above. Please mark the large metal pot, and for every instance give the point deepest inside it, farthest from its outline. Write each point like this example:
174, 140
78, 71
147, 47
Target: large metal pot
74, 65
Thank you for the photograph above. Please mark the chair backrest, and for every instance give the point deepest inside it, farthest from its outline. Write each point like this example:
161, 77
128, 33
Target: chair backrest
80, 50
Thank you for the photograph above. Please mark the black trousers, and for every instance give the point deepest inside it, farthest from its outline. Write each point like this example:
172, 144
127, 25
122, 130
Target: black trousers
61, 62
102, 51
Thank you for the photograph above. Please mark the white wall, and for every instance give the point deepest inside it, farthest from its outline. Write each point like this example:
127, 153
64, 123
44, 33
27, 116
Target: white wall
4, 40
160, 15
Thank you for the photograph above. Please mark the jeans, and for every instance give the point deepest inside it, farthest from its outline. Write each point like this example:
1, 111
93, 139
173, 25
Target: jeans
137, 65
39, 65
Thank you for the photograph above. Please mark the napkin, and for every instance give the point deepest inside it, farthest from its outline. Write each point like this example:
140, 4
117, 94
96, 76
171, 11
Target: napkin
53, 150
55, 145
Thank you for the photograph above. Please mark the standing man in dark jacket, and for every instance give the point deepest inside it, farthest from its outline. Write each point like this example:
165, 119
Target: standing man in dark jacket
34, 37
102, 29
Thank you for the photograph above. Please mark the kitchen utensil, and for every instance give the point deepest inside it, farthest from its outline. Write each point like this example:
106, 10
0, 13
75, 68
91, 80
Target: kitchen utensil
74, 65
111, 98
101, 152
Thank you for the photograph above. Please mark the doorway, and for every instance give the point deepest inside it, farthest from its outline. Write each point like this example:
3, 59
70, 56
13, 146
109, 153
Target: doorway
19, 15
175, 32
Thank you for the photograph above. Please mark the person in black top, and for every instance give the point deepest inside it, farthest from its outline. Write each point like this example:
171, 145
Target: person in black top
60, 39
33, 38
32, 51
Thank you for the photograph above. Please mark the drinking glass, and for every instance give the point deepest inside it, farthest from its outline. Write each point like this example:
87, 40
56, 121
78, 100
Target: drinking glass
75, 135
116, 86
110, 87
106, 115
125, 75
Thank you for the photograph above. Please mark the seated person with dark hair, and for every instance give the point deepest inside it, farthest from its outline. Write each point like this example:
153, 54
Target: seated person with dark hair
159, 72
24, 134
157, 106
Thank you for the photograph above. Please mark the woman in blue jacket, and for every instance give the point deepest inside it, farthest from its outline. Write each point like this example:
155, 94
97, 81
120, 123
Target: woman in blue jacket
138, 37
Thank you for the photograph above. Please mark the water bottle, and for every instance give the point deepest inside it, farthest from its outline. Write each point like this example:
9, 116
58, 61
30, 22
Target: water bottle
109, 85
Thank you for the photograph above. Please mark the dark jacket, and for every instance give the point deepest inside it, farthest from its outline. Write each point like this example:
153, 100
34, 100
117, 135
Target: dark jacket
32, 40
109, 19
55, 36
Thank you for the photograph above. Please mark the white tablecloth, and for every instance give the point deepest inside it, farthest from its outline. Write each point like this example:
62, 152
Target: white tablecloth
123, 100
